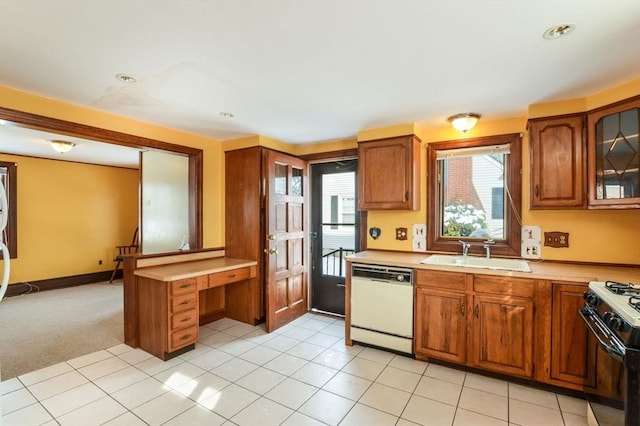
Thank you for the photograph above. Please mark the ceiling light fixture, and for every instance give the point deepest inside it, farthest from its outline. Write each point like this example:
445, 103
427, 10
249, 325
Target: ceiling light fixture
226, 115
126, 78
62, 146
465, 121
559, 31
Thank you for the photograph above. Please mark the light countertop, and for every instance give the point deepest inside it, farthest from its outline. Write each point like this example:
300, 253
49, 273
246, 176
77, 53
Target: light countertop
182, 270
540, 269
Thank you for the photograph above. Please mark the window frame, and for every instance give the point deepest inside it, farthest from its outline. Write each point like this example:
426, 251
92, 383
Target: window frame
12, 202
510, 246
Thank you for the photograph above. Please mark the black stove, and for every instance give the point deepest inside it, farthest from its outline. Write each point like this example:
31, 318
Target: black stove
612, 315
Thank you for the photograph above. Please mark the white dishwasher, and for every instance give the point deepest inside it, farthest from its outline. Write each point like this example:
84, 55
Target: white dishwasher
382, 307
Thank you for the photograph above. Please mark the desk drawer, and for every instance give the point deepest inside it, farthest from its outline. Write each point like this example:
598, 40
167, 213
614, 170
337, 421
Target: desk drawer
181, 338
184, 303
188, 285
231, 276
184, 320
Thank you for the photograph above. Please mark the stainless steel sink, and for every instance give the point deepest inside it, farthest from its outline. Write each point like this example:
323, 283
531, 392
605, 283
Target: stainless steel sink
519, 265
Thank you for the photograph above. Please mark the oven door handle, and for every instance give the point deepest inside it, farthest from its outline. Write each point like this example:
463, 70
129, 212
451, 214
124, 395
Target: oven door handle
606, 339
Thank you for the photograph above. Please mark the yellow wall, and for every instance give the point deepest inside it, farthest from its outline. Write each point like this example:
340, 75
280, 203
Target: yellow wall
70, 216
213, 226
608, 236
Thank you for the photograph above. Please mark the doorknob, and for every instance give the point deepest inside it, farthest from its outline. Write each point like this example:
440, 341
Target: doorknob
271, 251
271, 237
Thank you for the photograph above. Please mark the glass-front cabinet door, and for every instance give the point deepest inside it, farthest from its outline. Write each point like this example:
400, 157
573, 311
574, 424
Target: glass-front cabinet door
614, 155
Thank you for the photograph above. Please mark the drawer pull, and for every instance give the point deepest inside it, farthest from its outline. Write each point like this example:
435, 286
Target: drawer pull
185, 337
186, 302
186, 319
231, 276
185, 286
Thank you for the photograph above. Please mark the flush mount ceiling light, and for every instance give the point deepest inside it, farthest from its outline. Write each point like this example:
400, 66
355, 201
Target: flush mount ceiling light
559, 31
465, 121
226, 114
62, 146
126, 78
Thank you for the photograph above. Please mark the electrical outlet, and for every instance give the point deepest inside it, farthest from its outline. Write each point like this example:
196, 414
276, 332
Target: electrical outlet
556, 239
401, 234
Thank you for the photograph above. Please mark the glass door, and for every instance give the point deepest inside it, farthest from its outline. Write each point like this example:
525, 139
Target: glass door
334, 232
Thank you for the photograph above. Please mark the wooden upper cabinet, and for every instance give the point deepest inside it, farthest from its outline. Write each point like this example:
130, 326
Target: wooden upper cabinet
558, 161
614, 155
389, 174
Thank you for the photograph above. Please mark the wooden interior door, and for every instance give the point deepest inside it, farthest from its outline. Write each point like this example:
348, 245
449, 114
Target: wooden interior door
286, 244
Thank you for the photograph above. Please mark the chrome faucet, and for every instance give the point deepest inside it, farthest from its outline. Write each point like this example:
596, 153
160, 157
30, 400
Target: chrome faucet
487, 247
465, 247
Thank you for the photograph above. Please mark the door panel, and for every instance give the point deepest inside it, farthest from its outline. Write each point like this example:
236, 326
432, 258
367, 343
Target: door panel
285, 191
334, 232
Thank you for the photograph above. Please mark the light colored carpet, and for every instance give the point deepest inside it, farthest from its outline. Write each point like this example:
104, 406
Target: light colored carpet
42, 329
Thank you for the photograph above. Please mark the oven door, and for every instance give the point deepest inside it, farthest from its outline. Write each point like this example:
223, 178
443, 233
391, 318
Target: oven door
604, 410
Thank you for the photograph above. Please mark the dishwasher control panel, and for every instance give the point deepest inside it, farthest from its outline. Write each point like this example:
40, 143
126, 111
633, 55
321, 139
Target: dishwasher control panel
383, 273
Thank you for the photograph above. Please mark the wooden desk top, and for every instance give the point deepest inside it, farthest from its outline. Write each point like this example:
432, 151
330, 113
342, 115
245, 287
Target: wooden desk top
179, 271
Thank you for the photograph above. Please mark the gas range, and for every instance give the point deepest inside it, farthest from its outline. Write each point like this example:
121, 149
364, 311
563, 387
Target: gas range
618, 305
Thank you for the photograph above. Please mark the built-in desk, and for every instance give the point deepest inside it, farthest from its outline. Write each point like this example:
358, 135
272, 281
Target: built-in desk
173, 300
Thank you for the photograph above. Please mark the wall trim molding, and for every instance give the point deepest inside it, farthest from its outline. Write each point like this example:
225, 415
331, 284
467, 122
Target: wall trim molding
19, 289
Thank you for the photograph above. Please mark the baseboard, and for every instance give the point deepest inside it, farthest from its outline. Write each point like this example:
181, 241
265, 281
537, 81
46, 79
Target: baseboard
53, 283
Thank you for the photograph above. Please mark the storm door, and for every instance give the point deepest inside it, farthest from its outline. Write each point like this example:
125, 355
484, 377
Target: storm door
334, 232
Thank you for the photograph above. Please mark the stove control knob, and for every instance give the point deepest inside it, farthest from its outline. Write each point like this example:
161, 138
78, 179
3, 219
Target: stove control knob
591, 298
400, 278
613, 320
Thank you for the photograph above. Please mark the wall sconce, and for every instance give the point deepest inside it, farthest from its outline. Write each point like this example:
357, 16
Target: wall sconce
62, 146
465, 121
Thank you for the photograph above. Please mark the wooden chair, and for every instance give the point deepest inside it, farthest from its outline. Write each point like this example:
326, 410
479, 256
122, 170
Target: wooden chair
125, 251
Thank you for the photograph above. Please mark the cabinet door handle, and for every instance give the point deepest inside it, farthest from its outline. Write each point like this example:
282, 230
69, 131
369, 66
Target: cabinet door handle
476, 311
463, 308
406, 196
537, 190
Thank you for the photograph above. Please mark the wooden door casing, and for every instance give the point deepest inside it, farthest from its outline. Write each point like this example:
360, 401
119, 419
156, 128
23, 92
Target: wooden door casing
503, 334
285, 248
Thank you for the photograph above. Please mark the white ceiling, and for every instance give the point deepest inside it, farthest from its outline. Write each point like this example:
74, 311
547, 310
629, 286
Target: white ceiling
310, 71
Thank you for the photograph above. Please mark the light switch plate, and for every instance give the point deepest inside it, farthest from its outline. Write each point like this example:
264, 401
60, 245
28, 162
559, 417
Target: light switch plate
531, 242
419, 237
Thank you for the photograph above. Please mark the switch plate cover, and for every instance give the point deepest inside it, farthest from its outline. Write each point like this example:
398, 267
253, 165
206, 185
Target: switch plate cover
531, 242
419, 237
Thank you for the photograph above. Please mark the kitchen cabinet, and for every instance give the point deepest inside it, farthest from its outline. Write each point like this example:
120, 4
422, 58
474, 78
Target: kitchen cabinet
494, 332
614, 155
557, 159
389, 174
441, 318
265, 221
502, 325
168, 315
572, 348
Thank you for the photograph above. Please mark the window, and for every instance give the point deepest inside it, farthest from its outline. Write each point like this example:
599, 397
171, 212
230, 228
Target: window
9, 179
475, 194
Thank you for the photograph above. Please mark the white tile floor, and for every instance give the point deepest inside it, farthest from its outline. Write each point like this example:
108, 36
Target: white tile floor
303, 374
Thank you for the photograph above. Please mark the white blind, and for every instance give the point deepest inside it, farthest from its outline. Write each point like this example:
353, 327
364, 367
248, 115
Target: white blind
469, 152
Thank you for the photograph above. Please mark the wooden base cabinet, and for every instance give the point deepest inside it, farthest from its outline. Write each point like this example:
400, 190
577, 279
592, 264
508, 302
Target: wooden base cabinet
446, 334
494, 332
168, 315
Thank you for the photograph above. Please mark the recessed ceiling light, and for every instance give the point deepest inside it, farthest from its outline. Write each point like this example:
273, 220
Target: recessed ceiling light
559, 31
226, 114
126, 78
